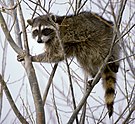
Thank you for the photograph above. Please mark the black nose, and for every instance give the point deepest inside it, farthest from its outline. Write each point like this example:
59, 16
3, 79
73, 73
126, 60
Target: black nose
39, 40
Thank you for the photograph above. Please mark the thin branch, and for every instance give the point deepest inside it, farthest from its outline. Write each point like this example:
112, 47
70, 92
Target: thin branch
8, 36
10, 99
26, 109
126, 121
81, 6
83, 115
19, 91
49, 83
128, 59
72, 90
55, 106
11, 8
4, 57
16, 25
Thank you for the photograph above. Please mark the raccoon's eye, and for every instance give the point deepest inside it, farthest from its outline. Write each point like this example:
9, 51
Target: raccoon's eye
35, 33
47, 31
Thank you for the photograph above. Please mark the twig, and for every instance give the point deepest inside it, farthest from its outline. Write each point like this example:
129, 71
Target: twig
12, 7
55, 106
16, 26
9, 97
72, 90
49, 83
8, 36
81, 6
4, 57
83, 115
33, 9
8, 112
130, 113
26, 109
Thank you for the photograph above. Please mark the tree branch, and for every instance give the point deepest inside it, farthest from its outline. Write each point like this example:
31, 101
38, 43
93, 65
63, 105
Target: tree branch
72, 90
49, 83
40, 115
9, 97
8, 36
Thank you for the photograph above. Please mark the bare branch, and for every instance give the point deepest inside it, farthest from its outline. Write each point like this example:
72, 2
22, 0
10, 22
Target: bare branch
16, 25
83, 115
9, 97
4, 57
72, 90
55, 106
49, 83
8, 36
130, 112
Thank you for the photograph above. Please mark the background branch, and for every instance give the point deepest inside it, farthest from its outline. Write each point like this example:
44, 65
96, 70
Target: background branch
49, 83
9, 97
8, 36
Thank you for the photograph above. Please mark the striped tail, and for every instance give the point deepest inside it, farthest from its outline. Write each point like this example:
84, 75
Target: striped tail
109, 80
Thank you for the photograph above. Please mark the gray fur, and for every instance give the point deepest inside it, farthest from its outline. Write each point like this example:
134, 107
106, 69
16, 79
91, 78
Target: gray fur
87, 37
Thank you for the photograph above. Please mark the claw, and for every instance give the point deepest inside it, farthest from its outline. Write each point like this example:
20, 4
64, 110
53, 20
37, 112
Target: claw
20, 58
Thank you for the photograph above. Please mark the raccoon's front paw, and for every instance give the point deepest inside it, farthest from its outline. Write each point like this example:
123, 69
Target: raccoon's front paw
20, 58
89, 84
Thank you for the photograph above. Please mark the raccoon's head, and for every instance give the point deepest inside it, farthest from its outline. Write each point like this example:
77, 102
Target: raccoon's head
42, 29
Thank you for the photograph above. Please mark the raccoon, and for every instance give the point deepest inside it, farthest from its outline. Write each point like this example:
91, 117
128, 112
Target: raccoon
86, 36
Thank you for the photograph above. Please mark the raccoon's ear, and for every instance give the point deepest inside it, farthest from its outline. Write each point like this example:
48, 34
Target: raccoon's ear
59, 19
30, 21
53, 17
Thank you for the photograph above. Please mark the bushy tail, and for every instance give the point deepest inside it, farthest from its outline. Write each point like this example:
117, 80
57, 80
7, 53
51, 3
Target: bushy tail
109, 80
